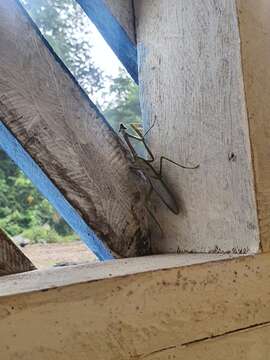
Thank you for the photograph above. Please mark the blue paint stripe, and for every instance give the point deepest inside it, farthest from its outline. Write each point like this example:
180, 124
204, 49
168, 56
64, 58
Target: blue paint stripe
113, 33
16, 152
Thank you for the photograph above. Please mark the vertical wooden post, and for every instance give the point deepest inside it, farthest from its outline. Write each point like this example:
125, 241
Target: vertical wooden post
255, 45
191, 81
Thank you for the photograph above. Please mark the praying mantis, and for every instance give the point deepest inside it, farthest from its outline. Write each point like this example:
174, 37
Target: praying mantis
154, 177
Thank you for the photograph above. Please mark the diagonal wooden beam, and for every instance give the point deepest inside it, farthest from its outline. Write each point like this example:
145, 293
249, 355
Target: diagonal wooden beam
116, 22
63, 132
12, 259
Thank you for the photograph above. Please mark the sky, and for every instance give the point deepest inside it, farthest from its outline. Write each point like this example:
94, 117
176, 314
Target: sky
105, 59
101, 54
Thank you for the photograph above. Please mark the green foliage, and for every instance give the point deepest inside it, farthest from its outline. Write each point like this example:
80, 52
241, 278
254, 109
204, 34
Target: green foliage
23, 209
46, 234
125, 108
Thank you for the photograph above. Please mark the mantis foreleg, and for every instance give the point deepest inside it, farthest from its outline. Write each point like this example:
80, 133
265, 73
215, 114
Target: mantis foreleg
162, 158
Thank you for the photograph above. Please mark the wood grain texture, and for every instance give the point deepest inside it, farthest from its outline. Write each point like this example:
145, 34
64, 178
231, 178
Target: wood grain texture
122, 317
123, 11
255, 42
12, 259
64, 133
191, 83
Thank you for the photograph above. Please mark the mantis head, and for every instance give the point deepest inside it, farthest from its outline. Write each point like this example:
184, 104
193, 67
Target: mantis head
122, 128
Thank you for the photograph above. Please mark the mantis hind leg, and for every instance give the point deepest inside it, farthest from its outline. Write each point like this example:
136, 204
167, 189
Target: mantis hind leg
147, 200
155, 221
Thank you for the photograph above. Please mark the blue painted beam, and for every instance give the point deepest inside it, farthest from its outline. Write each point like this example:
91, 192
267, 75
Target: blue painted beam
113, 33
16, 152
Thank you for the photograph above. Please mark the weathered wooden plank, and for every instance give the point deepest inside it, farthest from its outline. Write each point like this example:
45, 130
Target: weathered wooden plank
255, 43
131, 314
49, 279
191, 83
115, 21
12, 259
64, 133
